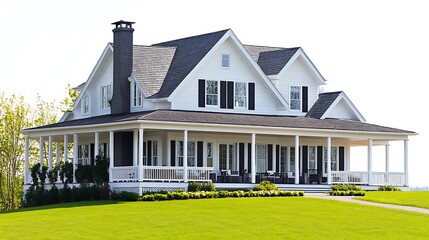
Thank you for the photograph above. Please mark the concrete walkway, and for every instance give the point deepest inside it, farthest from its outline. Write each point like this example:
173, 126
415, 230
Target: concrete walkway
350, 199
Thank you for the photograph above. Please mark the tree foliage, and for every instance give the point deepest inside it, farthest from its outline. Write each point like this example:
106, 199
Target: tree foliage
68, 102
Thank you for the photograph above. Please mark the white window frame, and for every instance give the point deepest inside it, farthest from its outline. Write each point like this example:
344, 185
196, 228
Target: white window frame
210, 145
300, 98
227, 58
136, 95
84, 154
231, 157
191, 154
106, 96
259, 159
245, 95
154, 157
86, 105
217, 94
315, 157
334, 149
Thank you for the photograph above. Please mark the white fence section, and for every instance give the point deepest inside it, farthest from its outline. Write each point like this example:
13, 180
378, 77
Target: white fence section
165, 174
349, 177
124, 174
199, 173
388, 178
377, 178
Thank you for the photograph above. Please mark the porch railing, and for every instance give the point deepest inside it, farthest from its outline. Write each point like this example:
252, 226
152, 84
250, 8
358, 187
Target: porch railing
377, 178
158, 173
125, 174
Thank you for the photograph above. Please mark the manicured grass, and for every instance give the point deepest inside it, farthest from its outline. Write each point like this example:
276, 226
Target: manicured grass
230, 218
416, 199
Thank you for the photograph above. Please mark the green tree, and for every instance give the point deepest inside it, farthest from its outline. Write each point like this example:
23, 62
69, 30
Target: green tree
68, 102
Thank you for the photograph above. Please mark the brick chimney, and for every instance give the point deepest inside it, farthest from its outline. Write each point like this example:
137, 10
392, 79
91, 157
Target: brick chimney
122, 66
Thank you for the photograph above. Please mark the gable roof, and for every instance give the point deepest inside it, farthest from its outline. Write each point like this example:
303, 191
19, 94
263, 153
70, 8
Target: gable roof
189, 52
322, 104
151, 65
271, 59
228, 119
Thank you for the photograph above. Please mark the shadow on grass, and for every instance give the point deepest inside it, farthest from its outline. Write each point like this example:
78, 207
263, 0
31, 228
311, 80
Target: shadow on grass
63, 205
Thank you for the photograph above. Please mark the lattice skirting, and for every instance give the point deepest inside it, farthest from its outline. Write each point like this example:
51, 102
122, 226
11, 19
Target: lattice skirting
146, 189
125, 189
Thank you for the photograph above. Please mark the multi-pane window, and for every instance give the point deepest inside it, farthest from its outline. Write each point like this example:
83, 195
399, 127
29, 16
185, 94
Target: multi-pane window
212, 92
209, 154
225, 60
137, 96
311, 157
261, 158
334, 165
227, 157
191, 153
106, 96
295, 98
155, 153
283, 159
86, 104
240, 94
292, 159
83, 155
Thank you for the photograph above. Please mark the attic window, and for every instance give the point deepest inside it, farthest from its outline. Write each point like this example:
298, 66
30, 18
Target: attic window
295, 98
85, 105
225, 60
137, 96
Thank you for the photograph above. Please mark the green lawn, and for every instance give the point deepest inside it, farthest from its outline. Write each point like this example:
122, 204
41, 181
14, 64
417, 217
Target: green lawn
231, 218
416, 199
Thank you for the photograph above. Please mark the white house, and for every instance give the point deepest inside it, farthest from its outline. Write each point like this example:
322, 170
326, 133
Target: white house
239, 113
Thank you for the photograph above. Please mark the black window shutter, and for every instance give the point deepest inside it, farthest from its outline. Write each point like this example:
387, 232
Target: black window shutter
249, 158
222, 94
251, 96
319, 160
278, 167
172, 153
304, 159
230, 95
199, 154
149, 153
92, 154
270, 157
241, 157
201, 93
106, 154
304, 99
341, 158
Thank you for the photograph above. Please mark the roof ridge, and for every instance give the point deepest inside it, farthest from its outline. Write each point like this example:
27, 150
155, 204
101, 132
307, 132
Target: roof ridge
331, 92
186, 38
281, 48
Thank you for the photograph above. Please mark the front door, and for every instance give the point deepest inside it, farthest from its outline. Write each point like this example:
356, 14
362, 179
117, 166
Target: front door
227, 157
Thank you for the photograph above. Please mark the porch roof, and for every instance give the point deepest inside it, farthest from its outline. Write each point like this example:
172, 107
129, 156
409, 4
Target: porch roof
228, 119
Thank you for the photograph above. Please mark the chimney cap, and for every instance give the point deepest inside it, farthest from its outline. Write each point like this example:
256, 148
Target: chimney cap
123, 24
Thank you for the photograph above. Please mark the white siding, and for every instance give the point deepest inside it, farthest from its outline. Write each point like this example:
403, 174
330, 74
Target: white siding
240, 70
341, 111
298, 74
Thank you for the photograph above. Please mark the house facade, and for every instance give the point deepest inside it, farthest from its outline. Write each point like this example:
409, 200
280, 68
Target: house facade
208, 108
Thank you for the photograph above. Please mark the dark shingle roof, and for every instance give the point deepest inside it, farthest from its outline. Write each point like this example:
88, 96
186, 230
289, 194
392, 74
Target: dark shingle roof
189, 52
150, 66
271, 59
322, 104
231, 119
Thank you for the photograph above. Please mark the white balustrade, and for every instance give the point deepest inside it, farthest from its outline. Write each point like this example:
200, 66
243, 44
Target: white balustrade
160, 173
124, 174
169, 174
199, 173
388, 178
377, 178
349, 177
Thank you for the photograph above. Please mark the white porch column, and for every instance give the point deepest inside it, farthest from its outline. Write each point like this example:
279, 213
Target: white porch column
58, 154
111, 153
75, 155
296, 159
140, 156
369, 161
328, 148
387, 157
26, 158
96, 146
66, 149
406, 161
41, 145
135, 146
50, 153
253, 158
185, 156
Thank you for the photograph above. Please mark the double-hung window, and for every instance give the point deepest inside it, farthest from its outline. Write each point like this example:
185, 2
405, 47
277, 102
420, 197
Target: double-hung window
295, 98
106, 96
212, 91
137, 96
191, 153
240, 94
225, 60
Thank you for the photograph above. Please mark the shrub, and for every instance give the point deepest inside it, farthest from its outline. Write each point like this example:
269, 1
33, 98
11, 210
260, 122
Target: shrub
345, 187
53, 195
347, 193
208, 187
265, 186
128, 196
100, 171
194, 186
388, 188
66, 172
65, 194
53, 175
34, 171
83, 174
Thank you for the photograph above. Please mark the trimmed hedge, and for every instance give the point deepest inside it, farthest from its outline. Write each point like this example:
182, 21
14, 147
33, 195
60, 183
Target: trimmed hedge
201, 186
265, 186
388, 188
347, 193
181, 195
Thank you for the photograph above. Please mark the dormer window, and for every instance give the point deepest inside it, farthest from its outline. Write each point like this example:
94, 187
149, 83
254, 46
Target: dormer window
137, 97
225, 60
85, 105
295, 98
106, 96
